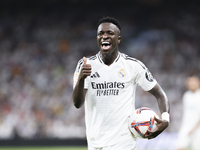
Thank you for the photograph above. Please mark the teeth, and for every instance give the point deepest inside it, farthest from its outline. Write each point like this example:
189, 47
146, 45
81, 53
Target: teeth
105, 43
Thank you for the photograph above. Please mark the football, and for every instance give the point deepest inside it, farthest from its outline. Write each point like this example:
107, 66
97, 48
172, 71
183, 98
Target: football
142, 120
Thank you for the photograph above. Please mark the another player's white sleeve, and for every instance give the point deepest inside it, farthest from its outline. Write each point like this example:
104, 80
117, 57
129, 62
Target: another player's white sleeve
145, 78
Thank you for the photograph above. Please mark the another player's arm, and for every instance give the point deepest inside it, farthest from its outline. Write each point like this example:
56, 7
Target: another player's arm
79, 92
195, 127
164, 107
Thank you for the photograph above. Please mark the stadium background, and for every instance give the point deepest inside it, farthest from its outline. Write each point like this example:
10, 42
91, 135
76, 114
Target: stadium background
41, 42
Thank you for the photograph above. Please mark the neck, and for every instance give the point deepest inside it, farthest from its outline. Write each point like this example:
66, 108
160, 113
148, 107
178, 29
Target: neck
109, 59
194, 90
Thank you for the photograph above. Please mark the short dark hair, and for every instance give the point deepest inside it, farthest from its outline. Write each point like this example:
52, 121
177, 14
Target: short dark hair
109, 20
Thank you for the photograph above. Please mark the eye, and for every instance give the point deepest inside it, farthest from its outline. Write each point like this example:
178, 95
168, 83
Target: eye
111, 33
100, 33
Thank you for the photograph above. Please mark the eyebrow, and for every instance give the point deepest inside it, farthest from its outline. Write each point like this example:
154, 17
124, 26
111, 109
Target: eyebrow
106, 30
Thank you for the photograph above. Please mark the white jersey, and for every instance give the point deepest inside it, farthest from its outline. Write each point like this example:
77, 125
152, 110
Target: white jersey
191, 115
110, 97
191, 111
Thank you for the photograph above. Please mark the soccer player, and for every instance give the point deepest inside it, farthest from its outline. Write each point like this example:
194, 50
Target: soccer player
189, 133
106, 83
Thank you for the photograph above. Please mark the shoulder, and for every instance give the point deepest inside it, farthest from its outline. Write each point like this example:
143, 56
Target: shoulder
92, 58
132, 61
198, 91
187, 95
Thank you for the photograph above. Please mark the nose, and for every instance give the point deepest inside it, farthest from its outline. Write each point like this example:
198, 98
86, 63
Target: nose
105, 36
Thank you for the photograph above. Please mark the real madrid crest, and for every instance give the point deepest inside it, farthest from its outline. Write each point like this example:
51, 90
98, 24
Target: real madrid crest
121, 73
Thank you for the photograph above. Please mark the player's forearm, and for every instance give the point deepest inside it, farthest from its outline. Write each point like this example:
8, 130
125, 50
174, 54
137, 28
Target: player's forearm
162, 99
163, 103
78, 95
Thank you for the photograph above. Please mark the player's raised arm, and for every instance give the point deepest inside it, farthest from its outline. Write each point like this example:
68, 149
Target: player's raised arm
164, 107
78, 95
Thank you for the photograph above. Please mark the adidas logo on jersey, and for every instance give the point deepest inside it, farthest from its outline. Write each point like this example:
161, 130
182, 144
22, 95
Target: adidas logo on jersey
95, 75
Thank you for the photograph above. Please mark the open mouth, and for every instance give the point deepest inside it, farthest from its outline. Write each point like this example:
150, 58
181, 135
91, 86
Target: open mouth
105, 45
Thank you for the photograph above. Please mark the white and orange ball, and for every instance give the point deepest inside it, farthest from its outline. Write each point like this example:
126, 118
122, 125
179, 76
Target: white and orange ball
141, 121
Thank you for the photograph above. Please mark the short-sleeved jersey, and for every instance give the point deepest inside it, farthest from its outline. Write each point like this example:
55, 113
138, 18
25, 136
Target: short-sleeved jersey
191, 115
191, 111
110, 97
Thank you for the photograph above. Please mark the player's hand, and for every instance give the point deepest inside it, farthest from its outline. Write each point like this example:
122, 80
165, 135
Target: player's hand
161, 125
85, 70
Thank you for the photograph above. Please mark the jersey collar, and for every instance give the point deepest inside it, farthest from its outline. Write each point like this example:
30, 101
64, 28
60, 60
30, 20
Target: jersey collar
101, 61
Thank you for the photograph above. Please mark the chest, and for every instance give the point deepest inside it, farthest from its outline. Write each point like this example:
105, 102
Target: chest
192, 102
117, 73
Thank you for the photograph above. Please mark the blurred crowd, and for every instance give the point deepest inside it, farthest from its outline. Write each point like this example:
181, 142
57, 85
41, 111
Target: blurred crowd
40, 47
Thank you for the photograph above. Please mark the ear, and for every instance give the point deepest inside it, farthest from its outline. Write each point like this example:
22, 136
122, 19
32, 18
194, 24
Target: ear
119, 39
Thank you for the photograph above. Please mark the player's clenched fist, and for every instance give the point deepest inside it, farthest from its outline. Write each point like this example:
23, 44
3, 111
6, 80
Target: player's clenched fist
85, 70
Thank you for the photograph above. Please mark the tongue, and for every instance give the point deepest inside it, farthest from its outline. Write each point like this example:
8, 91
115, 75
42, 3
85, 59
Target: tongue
105, 47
